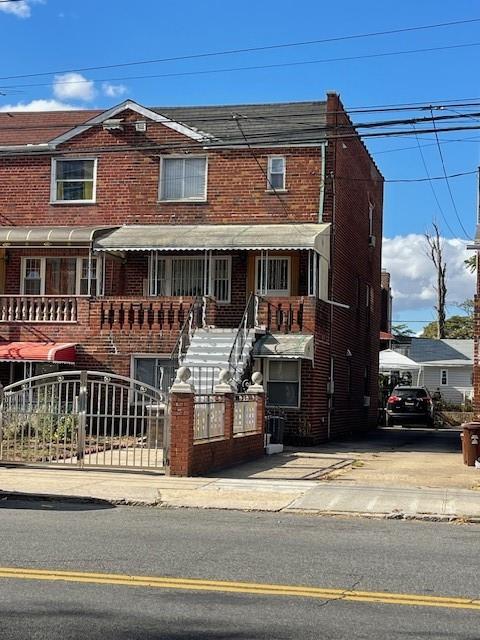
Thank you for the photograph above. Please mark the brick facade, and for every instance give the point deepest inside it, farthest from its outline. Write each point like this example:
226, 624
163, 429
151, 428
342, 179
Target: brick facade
127, 193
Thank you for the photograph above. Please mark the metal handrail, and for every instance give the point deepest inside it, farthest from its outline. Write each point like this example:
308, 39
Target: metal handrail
187, 330
242, 334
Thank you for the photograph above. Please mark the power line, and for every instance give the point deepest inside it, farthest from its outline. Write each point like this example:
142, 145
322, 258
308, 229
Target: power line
212, 54
251, 67
442, 213
447, 178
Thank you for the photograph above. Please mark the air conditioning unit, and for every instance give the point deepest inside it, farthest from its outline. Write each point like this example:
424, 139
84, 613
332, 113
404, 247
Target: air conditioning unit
372, 241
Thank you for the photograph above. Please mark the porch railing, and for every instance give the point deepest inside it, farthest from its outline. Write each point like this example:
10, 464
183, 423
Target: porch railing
38, 308
287, 315
196, 318
142, 313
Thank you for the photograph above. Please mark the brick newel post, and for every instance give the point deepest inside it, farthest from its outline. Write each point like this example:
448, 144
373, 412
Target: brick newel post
182, 415
257, 389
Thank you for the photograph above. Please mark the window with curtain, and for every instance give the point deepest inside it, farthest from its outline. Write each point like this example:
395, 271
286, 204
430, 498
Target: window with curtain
183, 178
59, 276
74, 180
185, 276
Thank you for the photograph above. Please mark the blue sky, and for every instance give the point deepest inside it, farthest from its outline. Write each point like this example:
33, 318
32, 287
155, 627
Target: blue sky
55, 35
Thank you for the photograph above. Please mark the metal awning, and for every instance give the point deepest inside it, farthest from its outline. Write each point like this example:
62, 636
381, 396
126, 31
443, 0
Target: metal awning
292, 345
30, 236
37, 352
217, 237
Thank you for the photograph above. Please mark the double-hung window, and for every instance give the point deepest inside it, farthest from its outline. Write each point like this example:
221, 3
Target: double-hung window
191, 276
444, 377
272, 275
73, 180
52, 276
183, 178
283, 383
276, 171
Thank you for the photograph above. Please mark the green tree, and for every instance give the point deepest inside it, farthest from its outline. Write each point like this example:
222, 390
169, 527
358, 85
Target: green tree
401, 330
455, 327
471, 263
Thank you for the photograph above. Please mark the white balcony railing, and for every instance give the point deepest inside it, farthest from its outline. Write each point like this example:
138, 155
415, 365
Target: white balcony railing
38, 309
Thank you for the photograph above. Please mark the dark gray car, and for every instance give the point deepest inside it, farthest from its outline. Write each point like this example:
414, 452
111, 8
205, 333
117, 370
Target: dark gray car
409, 405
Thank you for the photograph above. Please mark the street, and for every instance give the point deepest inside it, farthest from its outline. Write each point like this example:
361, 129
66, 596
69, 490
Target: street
335, 560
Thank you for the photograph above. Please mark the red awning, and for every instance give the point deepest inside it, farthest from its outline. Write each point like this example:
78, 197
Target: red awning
384, 335
37, 352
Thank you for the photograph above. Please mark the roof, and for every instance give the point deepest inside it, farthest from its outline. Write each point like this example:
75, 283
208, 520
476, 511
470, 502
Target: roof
429, 351
278, 345
174, 237
285, 122
48, 235
390, 360
37, 352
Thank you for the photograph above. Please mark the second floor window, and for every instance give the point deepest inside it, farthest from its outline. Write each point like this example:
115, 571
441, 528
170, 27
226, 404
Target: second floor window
183, 178
59, 276
73, 180
276, 173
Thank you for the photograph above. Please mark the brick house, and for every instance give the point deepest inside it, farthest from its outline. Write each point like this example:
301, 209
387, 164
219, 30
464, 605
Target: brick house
124, 230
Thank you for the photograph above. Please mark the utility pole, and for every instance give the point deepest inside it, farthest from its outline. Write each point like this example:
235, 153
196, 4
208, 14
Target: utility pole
435, 253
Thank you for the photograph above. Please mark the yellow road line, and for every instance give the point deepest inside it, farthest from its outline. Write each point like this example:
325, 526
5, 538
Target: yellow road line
194, 584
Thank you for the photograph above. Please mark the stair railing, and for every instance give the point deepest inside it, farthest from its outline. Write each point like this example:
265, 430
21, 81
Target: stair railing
195, 319
247, 322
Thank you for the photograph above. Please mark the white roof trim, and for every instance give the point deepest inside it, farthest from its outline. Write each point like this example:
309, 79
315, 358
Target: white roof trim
133, 106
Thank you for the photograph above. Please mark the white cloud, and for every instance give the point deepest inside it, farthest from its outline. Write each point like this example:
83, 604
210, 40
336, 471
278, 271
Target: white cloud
414, 276
22, 9
73, 86
113, 90
38, 105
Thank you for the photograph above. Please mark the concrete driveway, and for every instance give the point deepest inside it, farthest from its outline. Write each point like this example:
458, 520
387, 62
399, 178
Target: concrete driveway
390, 457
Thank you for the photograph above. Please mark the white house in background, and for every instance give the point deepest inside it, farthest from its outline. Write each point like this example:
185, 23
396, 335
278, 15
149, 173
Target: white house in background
445, 364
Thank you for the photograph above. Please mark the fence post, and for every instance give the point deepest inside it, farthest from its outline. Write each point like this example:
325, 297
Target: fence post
182, 415
257, 389
82, 417
224, 388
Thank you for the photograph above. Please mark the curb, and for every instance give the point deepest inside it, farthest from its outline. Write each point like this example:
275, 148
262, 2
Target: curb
395, 515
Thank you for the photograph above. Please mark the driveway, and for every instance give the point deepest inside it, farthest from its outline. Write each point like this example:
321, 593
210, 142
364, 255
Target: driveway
391, 457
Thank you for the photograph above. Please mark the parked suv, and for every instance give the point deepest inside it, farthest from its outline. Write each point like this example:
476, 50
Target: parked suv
409, 404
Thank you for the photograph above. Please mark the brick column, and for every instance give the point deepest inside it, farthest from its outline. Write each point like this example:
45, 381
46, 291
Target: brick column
182, 415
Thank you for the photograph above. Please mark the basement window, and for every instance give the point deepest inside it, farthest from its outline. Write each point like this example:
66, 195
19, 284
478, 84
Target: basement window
283, 383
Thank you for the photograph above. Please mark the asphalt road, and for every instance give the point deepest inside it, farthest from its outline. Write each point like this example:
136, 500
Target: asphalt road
428, 559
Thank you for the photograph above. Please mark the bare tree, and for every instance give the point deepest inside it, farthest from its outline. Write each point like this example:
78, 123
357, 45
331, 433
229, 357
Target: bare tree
435, 253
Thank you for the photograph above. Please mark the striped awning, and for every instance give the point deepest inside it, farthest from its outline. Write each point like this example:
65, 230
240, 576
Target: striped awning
37, 352
63, 235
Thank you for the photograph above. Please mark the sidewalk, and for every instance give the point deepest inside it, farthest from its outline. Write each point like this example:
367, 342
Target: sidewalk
295, 496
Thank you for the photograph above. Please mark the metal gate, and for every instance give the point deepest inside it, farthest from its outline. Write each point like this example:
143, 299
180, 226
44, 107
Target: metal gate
84, 419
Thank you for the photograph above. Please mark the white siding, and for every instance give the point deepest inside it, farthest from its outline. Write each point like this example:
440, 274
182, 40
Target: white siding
459, 382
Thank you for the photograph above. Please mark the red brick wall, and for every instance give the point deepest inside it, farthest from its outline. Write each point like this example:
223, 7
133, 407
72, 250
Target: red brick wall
353, 179
127, 184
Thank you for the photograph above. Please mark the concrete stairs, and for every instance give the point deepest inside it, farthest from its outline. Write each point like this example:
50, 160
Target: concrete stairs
209, 352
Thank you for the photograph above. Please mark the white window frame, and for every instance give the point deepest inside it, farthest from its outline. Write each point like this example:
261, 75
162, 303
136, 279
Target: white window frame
280, 293
53, 183
152, 282
182, 157
318, 272
299, 370
78, 267
270, 173
444, 371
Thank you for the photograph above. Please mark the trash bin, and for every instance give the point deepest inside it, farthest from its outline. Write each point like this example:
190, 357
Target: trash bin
470, 442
